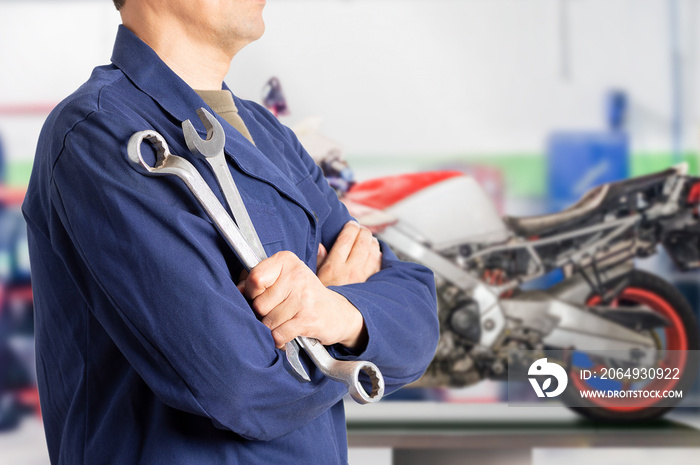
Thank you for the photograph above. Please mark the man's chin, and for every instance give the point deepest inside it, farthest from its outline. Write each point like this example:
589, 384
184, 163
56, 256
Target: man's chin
257, 32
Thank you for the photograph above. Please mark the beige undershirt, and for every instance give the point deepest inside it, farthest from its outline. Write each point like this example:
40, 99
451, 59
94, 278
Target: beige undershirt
221, 101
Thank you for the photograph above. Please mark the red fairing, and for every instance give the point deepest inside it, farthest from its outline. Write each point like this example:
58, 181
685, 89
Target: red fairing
694, 194
384, 192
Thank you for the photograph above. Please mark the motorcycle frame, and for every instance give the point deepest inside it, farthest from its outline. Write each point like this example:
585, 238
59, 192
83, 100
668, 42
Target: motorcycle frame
591, 248
561, 323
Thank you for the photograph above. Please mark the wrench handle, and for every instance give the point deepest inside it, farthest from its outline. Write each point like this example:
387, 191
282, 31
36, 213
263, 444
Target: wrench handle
347, 372
173, 165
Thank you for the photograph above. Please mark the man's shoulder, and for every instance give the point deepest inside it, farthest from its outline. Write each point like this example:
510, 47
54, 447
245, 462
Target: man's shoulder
69, 114
99, 93
106, 104
98, 108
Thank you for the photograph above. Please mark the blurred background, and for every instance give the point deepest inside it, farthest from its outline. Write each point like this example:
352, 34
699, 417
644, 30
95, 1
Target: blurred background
508, 90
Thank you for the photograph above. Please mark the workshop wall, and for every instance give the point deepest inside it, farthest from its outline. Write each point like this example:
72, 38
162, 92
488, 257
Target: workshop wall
399, 82
403, 85
471, 76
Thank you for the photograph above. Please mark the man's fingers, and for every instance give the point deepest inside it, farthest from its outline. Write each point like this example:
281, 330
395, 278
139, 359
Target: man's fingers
274, 296
288, 331
374, 260
351, 263
267, 272
241, 281
361, 249
321, 255
344, 243
279, 315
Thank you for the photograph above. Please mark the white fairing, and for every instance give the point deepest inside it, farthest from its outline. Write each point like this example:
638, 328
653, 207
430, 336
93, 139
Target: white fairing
452, 212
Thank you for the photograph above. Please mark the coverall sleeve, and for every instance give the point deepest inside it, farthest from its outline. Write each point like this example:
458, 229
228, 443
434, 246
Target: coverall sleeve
158, 277
398, 303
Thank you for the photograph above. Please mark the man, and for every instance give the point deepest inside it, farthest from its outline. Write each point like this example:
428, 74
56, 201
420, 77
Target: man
147, 351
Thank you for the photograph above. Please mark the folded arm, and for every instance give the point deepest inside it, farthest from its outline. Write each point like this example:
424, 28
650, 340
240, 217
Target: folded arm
397, 302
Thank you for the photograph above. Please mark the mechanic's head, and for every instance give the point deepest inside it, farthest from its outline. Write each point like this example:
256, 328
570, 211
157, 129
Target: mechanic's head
226, 24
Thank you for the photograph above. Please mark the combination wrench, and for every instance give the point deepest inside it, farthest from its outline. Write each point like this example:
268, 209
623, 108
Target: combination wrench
347, 372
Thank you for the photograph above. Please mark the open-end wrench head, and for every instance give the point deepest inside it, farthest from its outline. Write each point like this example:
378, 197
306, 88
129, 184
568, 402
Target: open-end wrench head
216, 137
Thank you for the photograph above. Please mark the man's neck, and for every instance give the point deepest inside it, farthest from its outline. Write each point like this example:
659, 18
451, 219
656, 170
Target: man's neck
201, 65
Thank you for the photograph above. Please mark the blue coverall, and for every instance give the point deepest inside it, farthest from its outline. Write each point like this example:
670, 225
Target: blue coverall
147, 352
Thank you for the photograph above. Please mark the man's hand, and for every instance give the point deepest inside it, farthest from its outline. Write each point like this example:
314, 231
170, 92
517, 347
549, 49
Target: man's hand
354, 257
292, 301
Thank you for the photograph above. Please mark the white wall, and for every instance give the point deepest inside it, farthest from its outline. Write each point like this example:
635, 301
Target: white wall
401, 76
418, 76
47, 49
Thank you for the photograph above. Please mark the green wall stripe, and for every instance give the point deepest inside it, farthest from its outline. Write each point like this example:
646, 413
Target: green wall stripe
18, 173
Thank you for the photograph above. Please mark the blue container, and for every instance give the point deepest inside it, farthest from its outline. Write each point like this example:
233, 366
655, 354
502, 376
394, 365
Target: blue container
578, 161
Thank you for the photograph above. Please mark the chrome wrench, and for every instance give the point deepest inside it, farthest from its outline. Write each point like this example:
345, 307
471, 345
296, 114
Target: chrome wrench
347, 372
211, 150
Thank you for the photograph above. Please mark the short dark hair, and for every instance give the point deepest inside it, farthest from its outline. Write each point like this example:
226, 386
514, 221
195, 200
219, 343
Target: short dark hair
119, 3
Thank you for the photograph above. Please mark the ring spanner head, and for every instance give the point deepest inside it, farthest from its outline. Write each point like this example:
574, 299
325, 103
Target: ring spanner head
216, 137
159, 145
346, 371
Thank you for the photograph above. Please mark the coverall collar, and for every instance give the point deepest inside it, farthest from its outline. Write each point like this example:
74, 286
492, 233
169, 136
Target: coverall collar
142, 65
148, 72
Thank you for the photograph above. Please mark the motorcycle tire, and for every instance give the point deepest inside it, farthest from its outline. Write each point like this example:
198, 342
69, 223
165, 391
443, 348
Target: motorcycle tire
682, 334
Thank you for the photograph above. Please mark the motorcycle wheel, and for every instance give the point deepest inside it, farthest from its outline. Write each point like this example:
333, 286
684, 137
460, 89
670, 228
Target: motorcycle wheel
682, 335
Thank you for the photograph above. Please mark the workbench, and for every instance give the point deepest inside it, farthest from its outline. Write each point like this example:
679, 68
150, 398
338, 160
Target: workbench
437, 433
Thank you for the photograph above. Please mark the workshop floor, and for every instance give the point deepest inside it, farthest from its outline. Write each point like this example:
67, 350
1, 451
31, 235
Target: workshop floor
26, 446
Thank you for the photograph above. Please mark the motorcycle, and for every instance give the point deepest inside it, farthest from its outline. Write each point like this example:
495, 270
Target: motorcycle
481, 261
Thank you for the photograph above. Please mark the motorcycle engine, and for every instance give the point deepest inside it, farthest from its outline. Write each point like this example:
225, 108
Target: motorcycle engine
464, 320
460, 329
